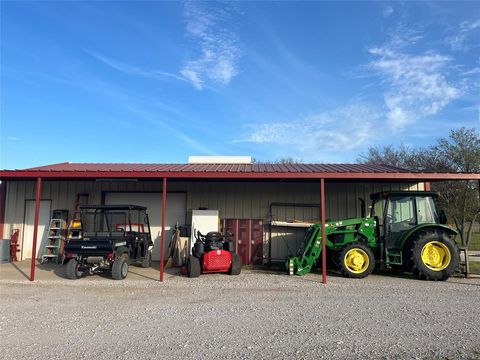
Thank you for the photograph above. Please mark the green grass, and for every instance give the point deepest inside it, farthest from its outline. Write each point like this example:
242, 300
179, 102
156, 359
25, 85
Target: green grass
475, 242
474, 267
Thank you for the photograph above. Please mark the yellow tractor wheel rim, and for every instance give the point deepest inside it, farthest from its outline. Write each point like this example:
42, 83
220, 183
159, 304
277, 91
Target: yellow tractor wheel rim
436, 255
356, 260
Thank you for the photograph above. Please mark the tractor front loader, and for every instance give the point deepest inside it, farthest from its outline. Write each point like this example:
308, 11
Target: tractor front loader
402, 231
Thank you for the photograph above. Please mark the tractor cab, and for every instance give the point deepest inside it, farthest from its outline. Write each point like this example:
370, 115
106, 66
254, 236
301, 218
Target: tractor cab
400, 211
398, 214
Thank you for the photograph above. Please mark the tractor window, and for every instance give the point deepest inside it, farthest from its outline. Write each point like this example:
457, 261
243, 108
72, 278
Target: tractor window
378, 208
426, 210
377, 211
400, 214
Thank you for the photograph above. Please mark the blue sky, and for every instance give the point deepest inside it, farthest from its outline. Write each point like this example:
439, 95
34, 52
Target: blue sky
158, 81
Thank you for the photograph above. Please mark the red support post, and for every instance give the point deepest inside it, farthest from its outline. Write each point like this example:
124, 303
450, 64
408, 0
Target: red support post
324, 237
162, 242
35, 228
3, 196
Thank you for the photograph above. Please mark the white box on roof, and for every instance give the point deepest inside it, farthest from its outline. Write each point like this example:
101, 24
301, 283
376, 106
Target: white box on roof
219, 159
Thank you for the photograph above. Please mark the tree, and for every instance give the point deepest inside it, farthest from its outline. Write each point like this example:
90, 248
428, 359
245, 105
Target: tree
286, 160
460, 152
402, 157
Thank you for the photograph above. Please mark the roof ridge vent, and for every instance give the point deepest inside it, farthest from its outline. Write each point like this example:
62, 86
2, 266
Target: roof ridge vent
219, 159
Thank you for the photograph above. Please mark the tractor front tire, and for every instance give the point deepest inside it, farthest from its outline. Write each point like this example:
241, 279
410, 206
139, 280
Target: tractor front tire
236, 265
73, 271
193, 267
433, 256
356, 260
120, 268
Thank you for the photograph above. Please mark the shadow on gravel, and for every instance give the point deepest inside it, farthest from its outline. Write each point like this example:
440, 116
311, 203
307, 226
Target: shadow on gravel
395, 274
132, 271
57, 269
20, 271
469, 284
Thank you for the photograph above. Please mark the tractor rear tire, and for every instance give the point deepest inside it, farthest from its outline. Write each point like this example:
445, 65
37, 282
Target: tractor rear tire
433, 256
193, 267
73, 271
120, 268
356, 260
236, 265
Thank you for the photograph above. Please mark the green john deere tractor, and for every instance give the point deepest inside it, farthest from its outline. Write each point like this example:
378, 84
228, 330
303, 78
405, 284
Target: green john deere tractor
402, 231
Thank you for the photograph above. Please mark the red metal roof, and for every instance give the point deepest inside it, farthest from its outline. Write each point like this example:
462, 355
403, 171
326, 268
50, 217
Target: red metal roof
237, 168
228, 171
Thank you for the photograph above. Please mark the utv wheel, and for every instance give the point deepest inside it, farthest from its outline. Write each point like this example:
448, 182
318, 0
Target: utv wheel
147, 260
193, 267
356, 260
73, 270
434, 256
120, 268
236, 266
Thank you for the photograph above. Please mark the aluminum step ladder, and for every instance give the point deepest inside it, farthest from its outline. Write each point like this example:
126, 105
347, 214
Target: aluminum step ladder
56, 237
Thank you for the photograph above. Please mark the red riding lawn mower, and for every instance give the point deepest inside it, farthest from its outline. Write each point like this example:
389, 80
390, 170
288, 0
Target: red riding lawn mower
213, 253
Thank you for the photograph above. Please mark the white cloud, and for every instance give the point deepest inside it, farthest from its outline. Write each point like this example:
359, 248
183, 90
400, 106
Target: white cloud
157, 120
133, 70
387, 11
218, 50
342, 129
403, 36
416, 84
459, 40
473, 71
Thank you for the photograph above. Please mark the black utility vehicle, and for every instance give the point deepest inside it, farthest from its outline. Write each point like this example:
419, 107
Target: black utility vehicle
111, 238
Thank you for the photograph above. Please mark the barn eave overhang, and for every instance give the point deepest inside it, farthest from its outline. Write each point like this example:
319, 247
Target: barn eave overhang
91, 175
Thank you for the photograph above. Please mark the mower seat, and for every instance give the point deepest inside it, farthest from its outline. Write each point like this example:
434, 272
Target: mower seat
214, 236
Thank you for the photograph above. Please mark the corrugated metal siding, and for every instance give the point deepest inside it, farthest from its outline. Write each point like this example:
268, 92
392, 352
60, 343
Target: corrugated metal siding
235, 200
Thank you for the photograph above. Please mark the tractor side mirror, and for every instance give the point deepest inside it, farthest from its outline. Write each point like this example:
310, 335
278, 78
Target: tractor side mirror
442, 218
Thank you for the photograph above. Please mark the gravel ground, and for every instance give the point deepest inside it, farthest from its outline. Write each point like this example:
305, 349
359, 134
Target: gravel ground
254, 315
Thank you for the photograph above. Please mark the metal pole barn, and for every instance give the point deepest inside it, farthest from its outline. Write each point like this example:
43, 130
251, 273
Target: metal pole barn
35, 228
324, 237
164, 209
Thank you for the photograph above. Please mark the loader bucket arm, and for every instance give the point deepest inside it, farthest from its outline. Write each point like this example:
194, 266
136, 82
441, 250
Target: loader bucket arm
346, 231
308, 253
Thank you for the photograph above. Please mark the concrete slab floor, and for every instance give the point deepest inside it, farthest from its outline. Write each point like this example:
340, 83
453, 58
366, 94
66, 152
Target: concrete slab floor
21, 271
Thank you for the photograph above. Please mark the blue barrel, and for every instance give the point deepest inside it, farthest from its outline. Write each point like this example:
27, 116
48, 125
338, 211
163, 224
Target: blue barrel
4, 250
